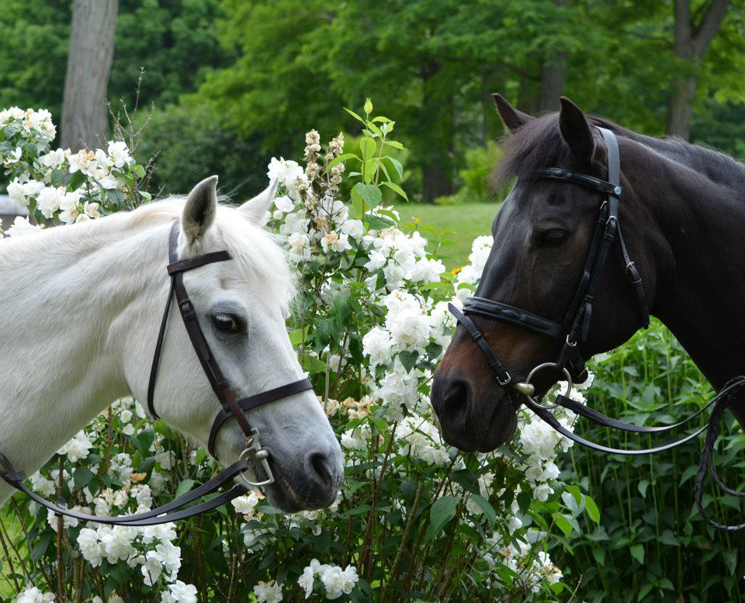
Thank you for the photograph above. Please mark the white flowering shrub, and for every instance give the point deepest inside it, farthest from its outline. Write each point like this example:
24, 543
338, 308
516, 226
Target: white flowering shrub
414, 519
58, 185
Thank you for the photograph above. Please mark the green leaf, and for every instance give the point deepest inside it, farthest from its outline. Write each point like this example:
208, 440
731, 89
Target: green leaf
563, 524
442, 511
343, 157
592, 509
82, 477
40, 548
637, 552
730, 560
688, 474
395, 144
668, 538
485, 506
433, 349
642, 487
374, 129
353, 114
408, 359
396, 188
76, 181
574, 491
139, 170
185, 487
377, 222
368, 148
396, 165
644, 591
369, 193
599, 554
666, 584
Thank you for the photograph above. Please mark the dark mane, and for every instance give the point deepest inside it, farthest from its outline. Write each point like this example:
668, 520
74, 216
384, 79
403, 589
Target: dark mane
538, 144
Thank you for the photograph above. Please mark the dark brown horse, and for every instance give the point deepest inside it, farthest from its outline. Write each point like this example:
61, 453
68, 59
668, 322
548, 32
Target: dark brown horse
683, 217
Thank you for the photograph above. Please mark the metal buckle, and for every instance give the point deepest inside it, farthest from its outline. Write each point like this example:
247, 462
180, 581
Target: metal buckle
507, 382
571, 344
629, 265
526, 388
254, 452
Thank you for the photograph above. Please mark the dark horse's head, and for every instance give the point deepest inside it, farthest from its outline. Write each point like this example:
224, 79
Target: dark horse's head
542, 234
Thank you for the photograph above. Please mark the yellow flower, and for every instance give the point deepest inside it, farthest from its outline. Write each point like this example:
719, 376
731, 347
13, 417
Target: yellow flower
456, 270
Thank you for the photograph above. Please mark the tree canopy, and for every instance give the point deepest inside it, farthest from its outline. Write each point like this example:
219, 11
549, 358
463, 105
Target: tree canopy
267, 71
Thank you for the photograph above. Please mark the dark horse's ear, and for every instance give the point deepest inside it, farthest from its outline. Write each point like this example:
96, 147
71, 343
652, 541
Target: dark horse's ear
511, 117
575, 130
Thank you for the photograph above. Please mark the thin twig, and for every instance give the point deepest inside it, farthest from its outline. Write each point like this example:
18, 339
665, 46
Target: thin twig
10, 562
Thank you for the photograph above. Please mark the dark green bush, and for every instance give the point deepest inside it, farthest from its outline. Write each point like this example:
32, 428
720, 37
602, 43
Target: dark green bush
192, 144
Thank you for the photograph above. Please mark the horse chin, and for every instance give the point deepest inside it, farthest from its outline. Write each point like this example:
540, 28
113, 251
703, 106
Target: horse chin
291, 493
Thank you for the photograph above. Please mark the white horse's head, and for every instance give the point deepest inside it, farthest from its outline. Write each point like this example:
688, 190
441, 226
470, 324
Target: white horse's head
241, 307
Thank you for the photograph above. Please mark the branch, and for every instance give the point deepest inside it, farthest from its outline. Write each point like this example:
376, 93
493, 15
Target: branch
709, 26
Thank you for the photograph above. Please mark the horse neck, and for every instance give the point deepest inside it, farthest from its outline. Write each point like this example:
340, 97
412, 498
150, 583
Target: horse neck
68, 296
699, 254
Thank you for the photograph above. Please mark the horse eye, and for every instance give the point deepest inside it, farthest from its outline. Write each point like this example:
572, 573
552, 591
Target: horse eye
553, 237
226, 323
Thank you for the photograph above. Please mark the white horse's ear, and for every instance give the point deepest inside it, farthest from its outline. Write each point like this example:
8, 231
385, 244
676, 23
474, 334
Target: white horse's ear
254, 209
200, 209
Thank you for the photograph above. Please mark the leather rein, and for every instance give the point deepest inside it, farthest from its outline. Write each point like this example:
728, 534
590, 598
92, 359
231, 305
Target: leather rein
253, 456
574, 329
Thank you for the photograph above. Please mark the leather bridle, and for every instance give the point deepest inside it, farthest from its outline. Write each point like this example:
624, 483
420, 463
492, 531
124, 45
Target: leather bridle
253, 455
574, 329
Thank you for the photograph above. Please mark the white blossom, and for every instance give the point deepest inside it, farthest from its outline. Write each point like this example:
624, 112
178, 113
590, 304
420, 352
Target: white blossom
268, 592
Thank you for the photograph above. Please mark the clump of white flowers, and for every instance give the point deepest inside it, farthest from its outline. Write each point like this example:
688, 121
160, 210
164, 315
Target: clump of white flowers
34, 595
57, 184
335, 581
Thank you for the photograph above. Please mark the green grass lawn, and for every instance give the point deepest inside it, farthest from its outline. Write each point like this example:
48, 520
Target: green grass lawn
462, 223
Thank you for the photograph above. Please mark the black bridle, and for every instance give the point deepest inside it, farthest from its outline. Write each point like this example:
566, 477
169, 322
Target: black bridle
253, 455
575, 326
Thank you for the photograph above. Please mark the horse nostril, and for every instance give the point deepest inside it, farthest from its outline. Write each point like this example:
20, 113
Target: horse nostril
320, 467
456, 396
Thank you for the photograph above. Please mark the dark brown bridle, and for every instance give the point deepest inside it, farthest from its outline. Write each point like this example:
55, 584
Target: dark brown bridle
253, 454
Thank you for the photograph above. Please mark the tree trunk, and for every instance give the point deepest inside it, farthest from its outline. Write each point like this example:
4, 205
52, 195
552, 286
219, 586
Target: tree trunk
85, 122
437, 145
690, 44
553, 76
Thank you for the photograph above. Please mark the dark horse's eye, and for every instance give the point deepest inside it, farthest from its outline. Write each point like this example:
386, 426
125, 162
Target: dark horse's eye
553, 237
227, 323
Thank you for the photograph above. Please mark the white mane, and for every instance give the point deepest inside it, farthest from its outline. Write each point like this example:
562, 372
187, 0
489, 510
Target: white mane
255, 250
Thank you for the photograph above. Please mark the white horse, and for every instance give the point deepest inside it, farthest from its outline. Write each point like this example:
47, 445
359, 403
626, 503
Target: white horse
80, 308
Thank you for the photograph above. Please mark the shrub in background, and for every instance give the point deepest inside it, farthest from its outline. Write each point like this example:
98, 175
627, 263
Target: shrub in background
190, 144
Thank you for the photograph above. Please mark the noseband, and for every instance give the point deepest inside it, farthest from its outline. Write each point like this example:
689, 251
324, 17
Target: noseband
574, 329
253, 455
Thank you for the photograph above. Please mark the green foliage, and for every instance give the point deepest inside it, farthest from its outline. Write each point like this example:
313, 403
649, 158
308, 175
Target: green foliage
651, 545
33, 53
176, 43
189, 145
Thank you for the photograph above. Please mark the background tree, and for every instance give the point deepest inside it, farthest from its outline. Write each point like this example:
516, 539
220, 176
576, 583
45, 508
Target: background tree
693, 35
85, 119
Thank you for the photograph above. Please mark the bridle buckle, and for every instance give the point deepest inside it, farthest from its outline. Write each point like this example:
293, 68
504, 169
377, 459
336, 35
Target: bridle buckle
255, 455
